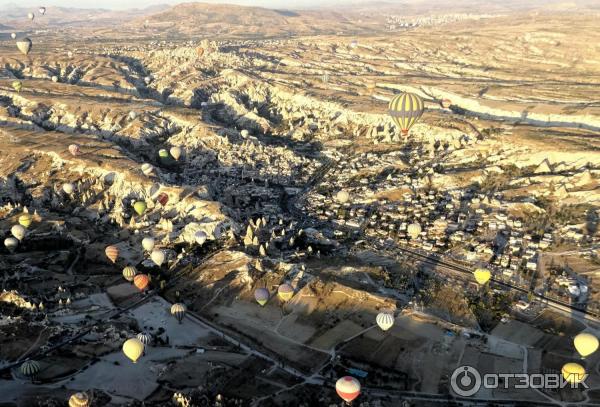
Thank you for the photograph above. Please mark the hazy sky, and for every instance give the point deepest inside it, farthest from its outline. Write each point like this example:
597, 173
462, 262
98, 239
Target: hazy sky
121, 4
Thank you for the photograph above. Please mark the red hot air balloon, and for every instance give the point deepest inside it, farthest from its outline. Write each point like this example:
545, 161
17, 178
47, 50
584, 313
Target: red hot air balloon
74, 149
141, 281
348, 388
163, 198
112, 252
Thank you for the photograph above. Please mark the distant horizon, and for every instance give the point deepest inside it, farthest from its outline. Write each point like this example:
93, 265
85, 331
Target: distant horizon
141, 4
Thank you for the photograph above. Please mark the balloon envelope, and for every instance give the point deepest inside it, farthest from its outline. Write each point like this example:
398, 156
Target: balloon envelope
24, 45
163, 198
148, 243
129, 273
18, 231
79, 400
133, 348
406, 109
586, 344
178, 311
385, 320
158, 257
413, 230
42, 10
482, 276
573, 373
348, 388
139, 207
112, 252
200, 237
11, 243
141, 281
176, 152
30, 16
261, 295
74, 149
147, 169
68, 188
285, 292
30, 368
342, 196
25, 220
13, 35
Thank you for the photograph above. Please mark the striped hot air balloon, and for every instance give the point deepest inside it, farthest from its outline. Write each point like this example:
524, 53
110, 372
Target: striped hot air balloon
285, 292
74, 149
406, 109
385, 320
141, 281
163, 198
348, 388
178, 311
129, 273
79, 400
112, 252
30, 369
144, 338
262, 296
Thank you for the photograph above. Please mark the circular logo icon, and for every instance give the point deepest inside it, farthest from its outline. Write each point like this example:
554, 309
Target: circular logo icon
465, 381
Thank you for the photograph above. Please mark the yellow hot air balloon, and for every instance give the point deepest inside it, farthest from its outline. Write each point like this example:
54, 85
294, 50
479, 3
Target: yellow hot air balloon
586, 344
482, 276
133, 348
413, 230
25, 220
17, 86
79, 400
573, 373
139, 207
406, 109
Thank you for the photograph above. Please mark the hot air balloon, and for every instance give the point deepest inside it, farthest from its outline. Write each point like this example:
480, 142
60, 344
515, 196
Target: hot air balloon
30, 16
342, 197
42, 10
413, 230
573, 373
70, 54
13, 35
385, 320
74, 149
200, 237
25, 220
285, 292
139, 207
199, 51
148, 243
141, 281
68, 188
133, 348
79, 400
144, 338
18, 231
54, 78
178, 311
262, 296
406, 109
147, 80
30, 369
24, 45
482, 276
129, 273
158, 257
176, 152
446, 103
147, 169
586, 344
163, 198
163, 154
244, 133
11, 244
348, 388
17, 86
112, 252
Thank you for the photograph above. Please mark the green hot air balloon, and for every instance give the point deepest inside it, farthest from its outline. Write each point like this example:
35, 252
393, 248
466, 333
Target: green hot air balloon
139, 207
406, 109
